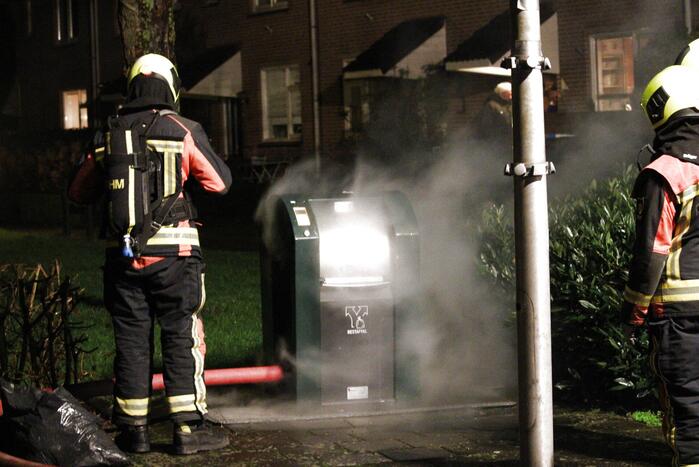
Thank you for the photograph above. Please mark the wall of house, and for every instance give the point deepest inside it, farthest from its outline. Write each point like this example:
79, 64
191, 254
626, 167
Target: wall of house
580, 20
346, 28
110, 48
46, 67
276, 38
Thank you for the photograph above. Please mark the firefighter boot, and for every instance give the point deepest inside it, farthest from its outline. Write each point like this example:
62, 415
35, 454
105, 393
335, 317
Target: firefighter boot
133, 438
188, 439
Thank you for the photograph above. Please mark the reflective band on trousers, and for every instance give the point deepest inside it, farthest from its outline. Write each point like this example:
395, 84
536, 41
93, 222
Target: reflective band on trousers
184, 403
199, 385
133, 407
175, 236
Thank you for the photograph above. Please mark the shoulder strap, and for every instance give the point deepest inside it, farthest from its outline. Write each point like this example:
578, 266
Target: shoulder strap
165, 211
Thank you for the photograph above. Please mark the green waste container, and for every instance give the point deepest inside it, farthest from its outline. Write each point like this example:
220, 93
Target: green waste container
340, 282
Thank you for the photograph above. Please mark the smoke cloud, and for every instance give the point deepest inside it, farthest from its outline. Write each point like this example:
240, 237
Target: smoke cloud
465, 341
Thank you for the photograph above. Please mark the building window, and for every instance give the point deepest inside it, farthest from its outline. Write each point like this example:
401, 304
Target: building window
66, 19
265, 5
281, 104
612, 72
356, 98
74, 109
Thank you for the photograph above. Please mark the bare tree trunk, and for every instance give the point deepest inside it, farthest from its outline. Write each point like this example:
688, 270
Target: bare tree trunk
147, 26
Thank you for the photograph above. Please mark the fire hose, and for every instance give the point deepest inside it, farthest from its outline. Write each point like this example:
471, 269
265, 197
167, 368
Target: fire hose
217, 377
7, 459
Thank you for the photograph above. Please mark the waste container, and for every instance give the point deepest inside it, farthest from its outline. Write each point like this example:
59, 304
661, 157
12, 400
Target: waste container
339, 293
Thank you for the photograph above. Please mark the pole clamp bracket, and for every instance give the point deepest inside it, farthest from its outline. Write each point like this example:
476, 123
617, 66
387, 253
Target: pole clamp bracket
520, 169
532, 63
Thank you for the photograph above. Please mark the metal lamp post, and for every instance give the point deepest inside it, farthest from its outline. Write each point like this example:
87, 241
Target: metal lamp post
529, 170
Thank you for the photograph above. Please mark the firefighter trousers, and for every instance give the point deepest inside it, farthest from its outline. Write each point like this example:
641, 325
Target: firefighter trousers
675, 361
172, 292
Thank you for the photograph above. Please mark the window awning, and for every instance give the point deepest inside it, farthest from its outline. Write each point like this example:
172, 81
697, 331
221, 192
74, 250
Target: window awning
403, 52
216, 73
487, 47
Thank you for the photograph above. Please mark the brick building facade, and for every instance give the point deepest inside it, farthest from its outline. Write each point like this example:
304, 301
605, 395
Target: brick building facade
274, 107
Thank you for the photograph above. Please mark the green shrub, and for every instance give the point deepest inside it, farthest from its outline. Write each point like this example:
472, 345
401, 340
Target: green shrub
648, 418
590, 250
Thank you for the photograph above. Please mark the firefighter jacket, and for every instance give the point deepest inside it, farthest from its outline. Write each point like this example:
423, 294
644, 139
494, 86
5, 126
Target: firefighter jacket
664, 274
172, 135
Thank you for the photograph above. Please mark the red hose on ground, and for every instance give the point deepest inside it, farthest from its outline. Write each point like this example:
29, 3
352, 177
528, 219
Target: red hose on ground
230, 376
218, 377
7, 459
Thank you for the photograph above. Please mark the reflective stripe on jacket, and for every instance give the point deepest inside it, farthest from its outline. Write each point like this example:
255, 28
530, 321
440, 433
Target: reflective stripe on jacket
171, 134
664, 273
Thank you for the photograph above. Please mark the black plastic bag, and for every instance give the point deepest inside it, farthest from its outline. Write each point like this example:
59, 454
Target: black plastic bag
54, 428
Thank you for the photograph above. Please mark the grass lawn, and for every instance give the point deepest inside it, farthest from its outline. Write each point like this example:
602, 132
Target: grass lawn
231, 315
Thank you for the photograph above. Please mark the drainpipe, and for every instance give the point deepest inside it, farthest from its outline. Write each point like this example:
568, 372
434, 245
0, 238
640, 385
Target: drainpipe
529, 170
225, 108
315, 79
688, 16
94, 59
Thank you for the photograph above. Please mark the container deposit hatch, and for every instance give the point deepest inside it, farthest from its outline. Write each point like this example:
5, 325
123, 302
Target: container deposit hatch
339, 292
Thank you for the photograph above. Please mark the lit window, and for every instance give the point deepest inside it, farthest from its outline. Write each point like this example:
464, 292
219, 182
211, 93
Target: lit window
281, 104
74, 109
262, 5
66, 20
613, 72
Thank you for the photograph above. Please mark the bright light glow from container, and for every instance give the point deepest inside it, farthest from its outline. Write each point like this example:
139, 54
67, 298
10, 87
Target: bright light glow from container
343, 206
354, 255
353, 242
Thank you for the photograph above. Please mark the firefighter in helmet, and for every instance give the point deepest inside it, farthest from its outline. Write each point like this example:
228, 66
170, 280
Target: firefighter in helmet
662, 293
155, 271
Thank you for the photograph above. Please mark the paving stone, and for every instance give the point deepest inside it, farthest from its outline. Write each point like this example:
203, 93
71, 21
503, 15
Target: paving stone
336, 436
366, 433
435, 440
373, 445
415, 454
340, 459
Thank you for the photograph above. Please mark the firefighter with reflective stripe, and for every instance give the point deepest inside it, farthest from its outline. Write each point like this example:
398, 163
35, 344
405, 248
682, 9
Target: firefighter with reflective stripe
164, 280
662, 293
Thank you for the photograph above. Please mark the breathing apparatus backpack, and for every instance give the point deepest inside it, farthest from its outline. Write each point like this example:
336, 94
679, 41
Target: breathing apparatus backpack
144, 183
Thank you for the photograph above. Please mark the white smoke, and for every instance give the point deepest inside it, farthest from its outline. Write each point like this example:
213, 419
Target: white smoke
465, 340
